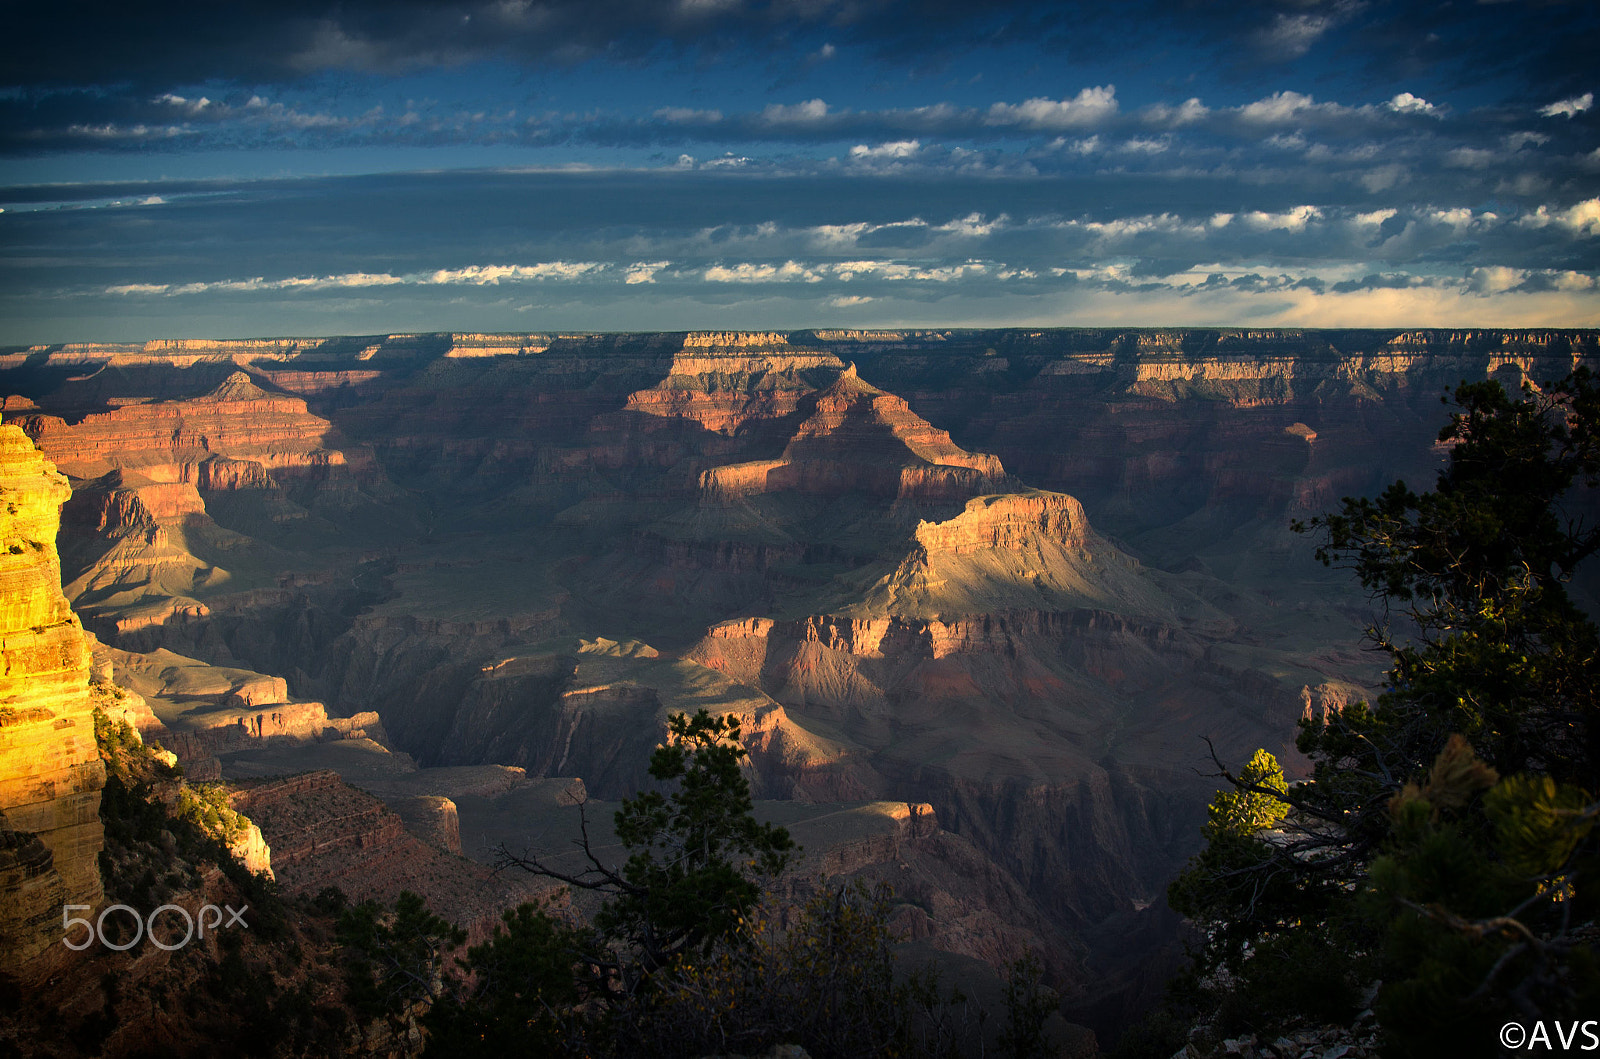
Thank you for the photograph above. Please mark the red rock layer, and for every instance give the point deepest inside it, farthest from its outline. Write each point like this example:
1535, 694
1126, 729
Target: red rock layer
858, 439
1008, 521
233, 437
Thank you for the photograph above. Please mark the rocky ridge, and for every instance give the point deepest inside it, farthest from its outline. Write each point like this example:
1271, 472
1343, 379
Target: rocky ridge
324, 833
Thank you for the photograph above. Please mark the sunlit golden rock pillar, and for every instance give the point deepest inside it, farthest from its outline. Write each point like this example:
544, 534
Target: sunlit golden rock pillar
50, 769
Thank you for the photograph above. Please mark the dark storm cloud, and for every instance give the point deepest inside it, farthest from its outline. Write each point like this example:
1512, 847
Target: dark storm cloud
182, 43
186, 78
1546, 46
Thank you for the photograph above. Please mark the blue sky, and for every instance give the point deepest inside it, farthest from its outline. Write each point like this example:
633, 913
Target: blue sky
301, 168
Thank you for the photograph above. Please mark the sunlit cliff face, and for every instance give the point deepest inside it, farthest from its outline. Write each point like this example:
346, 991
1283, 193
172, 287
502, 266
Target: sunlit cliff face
50, 769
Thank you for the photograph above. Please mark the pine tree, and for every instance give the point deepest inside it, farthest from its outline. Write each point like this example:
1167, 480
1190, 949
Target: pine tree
1408, 857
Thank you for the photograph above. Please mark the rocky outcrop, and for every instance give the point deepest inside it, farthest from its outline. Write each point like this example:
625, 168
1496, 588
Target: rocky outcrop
1009, 521
32, 894
251, 850
221, 731
855, 438
432, 818
172, 441
50, 767
326, 833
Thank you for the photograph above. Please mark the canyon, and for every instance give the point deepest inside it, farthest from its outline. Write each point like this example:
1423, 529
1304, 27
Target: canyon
977, 597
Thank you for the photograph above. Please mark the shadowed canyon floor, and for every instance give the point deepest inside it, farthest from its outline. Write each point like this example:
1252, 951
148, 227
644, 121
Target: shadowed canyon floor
976, 595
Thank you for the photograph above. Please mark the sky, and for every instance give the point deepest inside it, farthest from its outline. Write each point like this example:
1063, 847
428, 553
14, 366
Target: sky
304, 168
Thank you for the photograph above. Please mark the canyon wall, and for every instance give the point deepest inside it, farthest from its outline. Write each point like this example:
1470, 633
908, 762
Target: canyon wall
50, 767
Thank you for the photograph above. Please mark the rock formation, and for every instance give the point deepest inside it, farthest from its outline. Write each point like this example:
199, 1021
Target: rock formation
50, 768
326, 833
1014, 576
235, 435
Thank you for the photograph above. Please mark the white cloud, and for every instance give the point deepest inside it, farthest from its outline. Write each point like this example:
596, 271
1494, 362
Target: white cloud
1086, 146
473, 275
1123, 227
1188, 112
191, 107
493, 274
885, 151
811, 112
1406, 103
141, 131
1291, 36
1582, 218
845, 301
1289, 221
837, 236
1456, 217
1090, 107
973, 226
745, 272
897, 271
644, 271
1568, 107
1143, 146
1493, 279
1282, 107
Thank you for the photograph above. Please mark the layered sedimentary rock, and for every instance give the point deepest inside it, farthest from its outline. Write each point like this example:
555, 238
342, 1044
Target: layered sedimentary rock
202, 439
855, 438
326, 833
826, 533
152, 471
32, 893
432, 818
50, 767
199, 712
